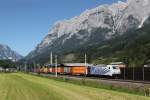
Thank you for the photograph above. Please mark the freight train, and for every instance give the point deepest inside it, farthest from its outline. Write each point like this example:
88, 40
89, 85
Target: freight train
81, 69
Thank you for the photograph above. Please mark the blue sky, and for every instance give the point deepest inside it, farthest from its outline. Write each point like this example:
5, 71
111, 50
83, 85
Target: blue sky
24, 23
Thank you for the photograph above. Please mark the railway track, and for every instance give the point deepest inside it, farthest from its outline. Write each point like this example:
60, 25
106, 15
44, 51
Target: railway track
111, 79
96, 78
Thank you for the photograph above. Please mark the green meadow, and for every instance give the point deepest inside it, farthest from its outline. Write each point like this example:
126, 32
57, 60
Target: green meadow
20, 86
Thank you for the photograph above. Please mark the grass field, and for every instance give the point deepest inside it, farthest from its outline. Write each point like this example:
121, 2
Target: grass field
19, 86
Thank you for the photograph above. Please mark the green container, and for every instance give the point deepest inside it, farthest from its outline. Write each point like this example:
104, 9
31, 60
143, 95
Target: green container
67, 70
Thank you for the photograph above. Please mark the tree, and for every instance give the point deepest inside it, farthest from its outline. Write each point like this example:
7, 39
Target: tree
7, 64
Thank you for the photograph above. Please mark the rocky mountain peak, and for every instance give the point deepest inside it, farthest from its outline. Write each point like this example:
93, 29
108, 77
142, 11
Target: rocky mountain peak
115, 17
7, 53
100, 16
100, 23
138, 2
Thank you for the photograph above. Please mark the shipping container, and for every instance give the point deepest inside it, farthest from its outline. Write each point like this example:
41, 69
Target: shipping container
35, 70
45, 70
42, 70
60, 70
66, 70
53, 69
78, 70
50, 70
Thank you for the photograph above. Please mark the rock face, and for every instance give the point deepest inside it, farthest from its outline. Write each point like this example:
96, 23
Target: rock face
94, 26
104, 16
7, 53
134, 15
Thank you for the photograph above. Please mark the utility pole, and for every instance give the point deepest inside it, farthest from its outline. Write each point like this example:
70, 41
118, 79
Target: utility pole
56, 65
143, 74
34, 67
86, 64
25, 67
51, 58
85, 60
133, 73
39, 69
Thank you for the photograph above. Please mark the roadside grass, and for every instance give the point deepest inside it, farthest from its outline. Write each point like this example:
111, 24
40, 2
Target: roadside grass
96, 84
19, 86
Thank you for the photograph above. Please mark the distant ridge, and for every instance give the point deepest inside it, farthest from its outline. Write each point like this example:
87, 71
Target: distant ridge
7, 53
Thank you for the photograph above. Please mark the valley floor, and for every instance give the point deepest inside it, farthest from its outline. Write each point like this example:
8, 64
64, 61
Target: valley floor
19, 86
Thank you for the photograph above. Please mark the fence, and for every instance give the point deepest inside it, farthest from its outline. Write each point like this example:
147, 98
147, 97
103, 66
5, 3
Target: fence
137, 73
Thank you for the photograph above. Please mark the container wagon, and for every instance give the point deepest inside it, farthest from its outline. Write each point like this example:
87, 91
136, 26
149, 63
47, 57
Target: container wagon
60, 70
49, 70
76, 68
81, 70
67, 70
45, 70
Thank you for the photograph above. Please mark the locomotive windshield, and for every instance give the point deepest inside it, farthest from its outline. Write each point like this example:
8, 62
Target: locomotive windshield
115, 67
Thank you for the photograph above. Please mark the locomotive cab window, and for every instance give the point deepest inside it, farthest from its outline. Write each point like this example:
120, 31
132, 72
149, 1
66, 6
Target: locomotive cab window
114, 67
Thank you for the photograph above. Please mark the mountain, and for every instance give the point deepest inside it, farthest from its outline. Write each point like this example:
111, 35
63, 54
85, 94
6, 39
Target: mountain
7, 53
93, 27
133, 48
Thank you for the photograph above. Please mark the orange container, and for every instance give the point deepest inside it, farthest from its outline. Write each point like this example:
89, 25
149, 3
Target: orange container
53, 70
78, 70
60, 70
50, 70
